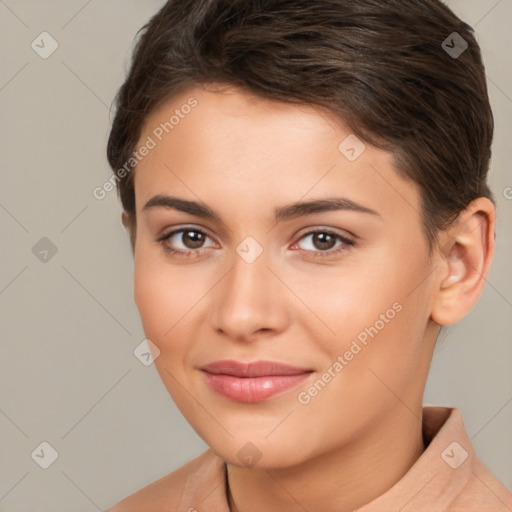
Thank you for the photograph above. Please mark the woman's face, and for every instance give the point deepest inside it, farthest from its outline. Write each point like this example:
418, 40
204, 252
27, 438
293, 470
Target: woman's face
342, 294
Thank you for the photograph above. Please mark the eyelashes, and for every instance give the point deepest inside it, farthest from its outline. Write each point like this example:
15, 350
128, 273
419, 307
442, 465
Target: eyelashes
345, 242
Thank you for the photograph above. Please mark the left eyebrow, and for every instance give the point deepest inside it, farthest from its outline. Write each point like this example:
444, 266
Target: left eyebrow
282, 213
320, 205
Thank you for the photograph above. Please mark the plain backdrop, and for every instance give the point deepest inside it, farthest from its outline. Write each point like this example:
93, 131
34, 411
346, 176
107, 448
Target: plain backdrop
69, 326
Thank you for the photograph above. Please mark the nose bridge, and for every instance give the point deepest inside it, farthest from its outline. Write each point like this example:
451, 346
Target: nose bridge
248, 298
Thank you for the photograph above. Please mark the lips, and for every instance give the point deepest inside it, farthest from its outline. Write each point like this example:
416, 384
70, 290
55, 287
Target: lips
255, 369
252, 382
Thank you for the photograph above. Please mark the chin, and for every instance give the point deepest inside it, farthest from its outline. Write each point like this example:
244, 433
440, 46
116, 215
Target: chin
260, 455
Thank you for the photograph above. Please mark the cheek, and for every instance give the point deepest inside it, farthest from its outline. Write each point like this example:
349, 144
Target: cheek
348, 298
169, 299
160, 300
156, 295
376, 311
152, 299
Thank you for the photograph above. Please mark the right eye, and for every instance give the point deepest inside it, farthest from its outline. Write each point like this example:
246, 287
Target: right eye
191, 239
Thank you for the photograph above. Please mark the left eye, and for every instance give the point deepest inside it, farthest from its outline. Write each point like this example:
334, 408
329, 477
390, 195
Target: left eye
324, 241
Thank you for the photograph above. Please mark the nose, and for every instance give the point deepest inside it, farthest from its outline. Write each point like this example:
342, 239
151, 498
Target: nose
250, 301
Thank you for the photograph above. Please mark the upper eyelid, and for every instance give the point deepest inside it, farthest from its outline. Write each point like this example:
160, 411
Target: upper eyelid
183, 229
324, 229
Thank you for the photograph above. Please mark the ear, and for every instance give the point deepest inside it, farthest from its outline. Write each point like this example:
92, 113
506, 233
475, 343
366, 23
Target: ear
130, 224
124, 219
464, 259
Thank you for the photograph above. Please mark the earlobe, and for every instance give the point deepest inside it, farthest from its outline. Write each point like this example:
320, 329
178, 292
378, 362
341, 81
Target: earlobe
464, 262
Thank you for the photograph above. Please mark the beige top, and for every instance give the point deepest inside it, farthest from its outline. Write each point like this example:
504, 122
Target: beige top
448, 476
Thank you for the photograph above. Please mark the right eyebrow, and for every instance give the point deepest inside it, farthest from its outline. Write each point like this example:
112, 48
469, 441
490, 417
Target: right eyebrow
182, 205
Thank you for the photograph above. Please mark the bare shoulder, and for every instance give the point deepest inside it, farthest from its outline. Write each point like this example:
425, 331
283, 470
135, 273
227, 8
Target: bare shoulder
164, 493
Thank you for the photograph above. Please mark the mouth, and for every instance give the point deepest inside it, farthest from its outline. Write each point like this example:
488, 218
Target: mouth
252, 382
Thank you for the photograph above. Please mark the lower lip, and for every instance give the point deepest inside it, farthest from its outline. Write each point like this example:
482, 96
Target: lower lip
252, 389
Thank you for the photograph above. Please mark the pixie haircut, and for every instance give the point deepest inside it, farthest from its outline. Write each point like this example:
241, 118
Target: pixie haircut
379, 65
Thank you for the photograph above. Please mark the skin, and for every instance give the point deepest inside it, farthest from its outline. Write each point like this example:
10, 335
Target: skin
244, 156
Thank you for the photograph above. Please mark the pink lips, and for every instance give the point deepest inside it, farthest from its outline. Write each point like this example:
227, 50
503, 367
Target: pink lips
252, 382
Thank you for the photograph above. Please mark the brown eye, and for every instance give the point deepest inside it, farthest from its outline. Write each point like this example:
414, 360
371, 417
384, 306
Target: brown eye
324, 243
184, 242
192, 239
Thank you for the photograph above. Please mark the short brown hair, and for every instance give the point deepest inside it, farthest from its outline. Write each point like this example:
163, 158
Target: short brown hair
378, 64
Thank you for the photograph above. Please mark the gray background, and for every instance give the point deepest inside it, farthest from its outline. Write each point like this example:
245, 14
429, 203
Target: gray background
69, 325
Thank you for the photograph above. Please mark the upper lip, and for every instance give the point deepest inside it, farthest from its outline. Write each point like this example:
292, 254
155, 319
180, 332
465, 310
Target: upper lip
254, 369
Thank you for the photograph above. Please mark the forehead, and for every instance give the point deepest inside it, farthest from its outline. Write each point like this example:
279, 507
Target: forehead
223, 116
235, 144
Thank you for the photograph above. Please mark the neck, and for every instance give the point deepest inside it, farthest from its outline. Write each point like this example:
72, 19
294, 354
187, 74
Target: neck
341, 480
